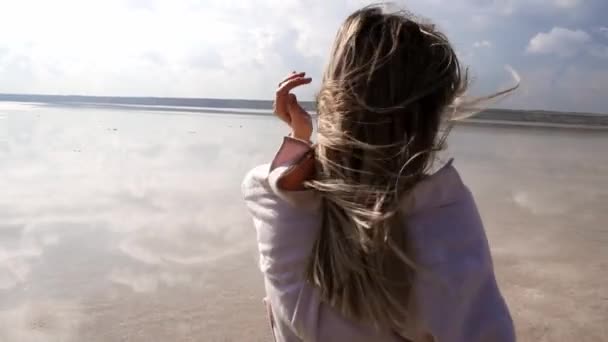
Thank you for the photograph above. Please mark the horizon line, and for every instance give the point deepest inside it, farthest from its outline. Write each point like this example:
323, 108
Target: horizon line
259, 101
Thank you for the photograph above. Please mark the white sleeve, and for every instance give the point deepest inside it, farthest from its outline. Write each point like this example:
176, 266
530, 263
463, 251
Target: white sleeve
287, 224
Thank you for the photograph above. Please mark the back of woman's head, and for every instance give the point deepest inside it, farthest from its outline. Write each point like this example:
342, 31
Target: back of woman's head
387, 84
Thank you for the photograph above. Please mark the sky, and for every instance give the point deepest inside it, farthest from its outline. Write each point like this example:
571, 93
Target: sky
242, 49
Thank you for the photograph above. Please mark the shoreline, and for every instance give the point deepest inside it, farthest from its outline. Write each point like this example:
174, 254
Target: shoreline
489, 117
528, 124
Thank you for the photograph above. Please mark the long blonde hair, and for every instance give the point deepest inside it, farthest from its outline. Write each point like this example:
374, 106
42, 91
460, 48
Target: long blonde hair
388, 83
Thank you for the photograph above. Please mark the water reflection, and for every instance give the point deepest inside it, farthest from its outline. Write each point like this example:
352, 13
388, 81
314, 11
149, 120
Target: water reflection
129, 226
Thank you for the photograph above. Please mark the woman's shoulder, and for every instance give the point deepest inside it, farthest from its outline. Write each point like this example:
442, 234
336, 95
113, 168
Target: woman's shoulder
444, 223
441, 189
456, 269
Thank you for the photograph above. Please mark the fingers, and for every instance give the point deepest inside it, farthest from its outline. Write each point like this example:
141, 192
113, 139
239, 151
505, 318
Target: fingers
289, 85
292, 76
284, 100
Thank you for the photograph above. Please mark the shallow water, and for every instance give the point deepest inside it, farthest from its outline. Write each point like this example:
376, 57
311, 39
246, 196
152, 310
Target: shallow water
128, 225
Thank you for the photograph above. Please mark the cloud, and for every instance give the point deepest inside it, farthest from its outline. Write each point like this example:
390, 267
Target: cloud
604, 31
154, 57
141, 4
210, 59
483, 44
509, 8
574, 88
154, 48
567, 4
559, 41
204, 48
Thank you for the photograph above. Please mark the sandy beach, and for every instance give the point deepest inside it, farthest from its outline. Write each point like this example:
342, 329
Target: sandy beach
120, 225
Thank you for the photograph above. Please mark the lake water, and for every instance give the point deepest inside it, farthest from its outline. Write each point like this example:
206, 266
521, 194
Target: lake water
120, 225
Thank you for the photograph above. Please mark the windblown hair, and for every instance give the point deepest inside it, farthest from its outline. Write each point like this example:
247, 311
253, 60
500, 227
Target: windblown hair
389, 81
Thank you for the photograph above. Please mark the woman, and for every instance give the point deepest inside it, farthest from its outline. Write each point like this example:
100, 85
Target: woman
359, 240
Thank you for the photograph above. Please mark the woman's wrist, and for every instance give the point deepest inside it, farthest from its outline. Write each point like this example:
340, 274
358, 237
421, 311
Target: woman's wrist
290, 152
298, 155
301, 137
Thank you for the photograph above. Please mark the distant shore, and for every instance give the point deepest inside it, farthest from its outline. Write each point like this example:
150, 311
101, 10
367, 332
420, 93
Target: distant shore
194, 105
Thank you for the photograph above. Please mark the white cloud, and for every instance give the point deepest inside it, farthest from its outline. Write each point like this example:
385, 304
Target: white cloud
515, 7
182, 48
559, 41
483, 44
164, 48
574, 88
218, 48
567, 4
546, 4
604, 31
172, 48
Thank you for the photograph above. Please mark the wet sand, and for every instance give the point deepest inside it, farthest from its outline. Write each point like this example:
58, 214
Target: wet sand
128, 225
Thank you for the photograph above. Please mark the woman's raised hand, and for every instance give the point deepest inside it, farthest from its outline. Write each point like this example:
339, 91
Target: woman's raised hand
287, 108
